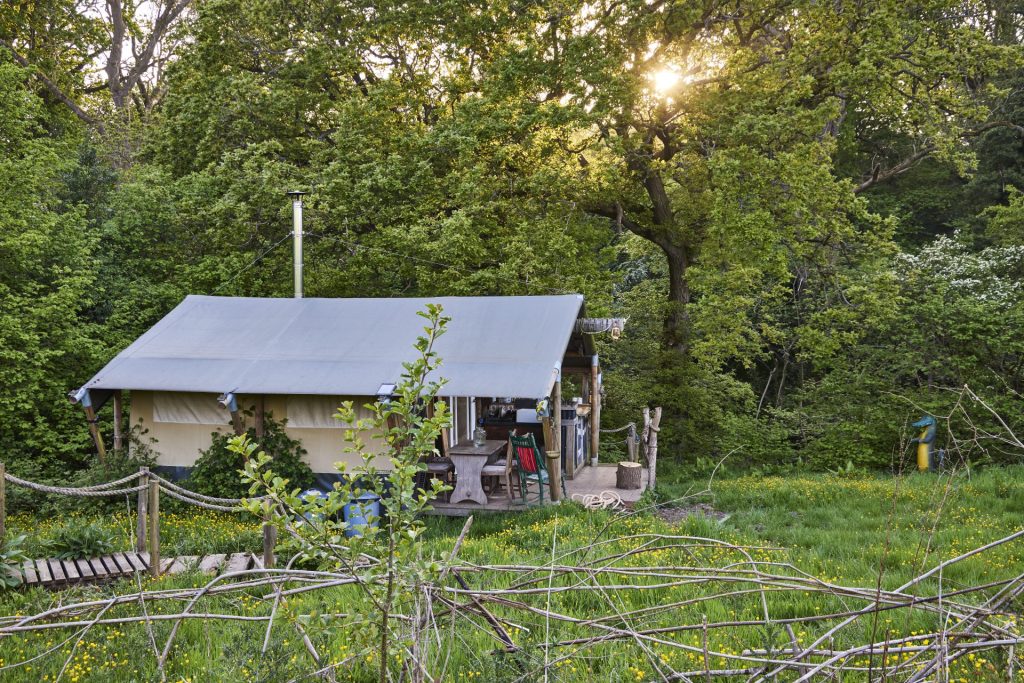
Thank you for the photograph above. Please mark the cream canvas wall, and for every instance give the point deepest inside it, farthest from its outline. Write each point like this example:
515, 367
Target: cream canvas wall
181, 425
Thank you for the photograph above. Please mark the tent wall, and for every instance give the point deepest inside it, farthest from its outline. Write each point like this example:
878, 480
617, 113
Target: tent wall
181, 425
176, 444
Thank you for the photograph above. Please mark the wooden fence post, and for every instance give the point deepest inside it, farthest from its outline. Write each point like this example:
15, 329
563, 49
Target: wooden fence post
141, 507
3, 501
652, 425
269, 537
154, 527
631, 444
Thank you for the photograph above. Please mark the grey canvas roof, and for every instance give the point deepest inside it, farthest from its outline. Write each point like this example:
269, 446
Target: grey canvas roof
494, 346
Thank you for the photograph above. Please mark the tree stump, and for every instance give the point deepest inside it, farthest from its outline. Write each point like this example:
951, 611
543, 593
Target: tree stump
627, 476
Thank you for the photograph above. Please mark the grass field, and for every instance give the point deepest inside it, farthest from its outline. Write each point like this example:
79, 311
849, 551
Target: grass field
855, 530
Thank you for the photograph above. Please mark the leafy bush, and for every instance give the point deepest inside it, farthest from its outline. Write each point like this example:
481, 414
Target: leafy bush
11, 558
76, 542
217, 471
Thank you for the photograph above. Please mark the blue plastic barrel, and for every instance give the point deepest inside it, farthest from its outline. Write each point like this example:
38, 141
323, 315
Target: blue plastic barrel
316, 493
359, 513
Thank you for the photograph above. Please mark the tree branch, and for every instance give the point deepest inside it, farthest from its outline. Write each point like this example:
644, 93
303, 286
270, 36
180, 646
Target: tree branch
54, 89
879, 175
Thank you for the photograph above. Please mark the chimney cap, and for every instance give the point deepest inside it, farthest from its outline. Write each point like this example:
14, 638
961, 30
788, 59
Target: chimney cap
296, 193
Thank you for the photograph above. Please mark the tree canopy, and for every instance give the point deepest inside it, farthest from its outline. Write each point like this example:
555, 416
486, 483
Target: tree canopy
799, 206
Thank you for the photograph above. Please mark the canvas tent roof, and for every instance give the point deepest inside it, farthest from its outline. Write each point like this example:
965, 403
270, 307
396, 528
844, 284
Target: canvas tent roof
494, 346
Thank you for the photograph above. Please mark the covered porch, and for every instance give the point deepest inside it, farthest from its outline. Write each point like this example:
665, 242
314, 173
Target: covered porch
589, 480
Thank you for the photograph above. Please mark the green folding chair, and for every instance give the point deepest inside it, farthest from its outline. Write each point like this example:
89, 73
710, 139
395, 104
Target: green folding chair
531, 463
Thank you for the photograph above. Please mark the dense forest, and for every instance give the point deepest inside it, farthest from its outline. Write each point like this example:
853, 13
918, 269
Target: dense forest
809, 212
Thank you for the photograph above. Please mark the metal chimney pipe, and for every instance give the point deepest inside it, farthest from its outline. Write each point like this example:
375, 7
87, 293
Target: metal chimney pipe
296, 196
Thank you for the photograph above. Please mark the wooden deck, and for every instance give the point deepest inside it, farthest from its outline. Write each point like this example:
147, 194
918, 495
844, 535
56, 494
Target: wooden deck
588, 480
54, 573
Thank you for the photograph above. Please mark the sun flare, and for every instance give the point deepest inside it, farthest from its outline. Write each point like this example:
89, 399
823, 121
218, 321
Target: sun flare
665, 79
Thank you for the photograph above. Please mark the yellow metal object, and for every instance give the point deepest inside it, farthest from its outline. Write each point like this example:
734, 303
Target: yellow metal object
922, 451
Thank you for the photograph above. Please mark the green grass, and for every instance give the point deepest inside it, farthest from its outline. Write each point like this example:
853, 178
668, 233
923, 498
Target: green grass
858, 530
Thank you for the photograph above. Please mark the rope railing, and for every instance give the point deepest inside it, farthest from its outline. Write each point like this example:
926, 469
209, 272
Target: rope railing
630, 425
632, 439
148, 507
197, 503
164, 483
97, 491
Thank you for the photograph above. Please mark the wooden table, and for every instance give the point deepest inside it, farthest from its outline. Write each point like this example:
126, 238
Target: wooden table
469, 462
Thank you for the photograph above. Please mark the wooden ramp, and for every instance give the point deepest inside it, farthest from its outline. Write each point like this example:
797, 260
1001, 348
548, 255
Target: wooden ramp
54, 573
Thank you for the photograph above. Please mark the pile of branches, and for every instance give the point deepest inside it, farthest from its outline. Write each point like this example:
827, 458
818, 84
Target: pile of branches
977, 619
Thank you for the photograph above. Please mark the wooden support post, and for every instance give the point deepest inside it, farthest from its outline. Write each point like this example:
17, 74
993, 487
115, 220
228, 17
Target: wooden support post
3, 501
236, 422
260, 416
97, 439
555, 475
595, 410
141, 507
556, 417
118, 420
269, 537
154, 527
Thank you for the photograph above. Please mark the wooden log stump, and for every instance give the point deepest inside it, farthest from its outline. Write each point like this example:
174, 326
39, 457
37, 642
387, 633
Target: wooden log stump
627, 475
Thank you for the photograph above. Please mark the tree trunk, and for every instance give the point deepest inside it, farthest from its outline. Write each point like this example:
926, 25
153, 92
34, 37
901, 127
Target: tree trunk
677, 317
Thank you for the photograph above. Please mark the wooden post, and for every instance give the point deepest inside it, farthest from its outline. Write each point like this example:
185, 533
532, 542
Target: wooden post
141, 507
595, 409
631, 444
650, 439
556, 417
3, 501
555, 475
236, 422
118, 418
154, 527
269, 537
645, 433
260, 416
90, 415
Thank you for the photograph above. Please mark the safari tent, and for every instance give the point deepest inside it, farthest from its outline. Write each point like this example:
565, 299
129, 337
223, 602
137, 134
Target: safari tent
223, 363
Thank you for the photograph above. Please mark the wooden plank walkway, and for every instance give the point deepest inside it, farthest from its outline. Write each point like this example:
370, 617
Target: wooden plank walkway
54, 573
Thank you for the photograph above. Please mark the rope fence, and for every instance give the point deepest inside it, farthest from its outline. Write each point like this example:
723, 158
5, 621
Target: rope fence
148, 490
169, 485
99, 490
632, 439
197, 503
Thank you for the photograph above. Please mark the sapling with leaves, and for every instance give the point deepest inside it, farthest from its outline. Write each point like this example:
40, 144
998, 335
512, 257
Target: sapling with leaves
382, 554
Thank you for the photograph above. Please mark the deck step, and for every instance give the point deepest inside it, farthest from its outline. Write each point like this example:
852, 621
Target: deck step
211, 563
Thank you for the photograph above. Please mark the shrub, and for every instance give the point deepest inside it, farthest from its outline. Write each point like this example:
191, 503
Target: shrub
76, 542
217, 472
11, 559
